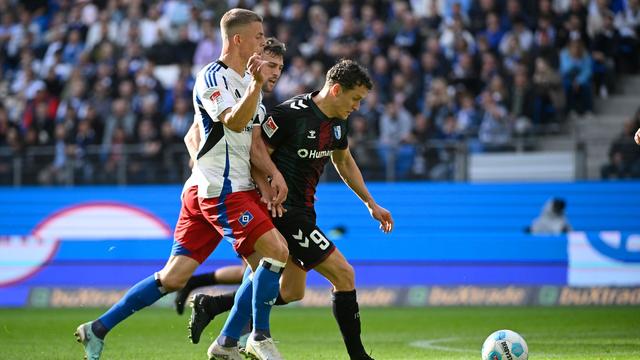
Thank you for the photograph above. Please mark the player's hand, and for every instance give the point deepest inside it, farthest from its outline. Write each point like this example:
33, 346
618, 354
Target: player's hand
268, 196
256, 68
279, 189
277, 210
637, 137
383, 216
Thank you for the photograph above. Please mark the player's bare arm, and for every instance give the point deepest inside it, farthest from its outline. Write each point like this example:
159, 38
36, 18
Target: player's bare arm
261, 160
637, 137
351, 175
192, 140
267, 193
236, 117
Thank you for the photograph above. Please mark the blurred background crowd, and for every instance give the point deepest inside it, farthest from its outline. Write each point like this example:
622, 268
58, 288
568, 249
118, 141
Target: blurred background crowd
100, 91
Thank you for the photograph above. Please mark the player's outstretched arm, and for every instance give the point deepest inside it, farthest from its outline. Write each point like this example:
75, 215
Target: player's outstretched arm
237, 117
261, 160
351, 175
637, 137
192, 140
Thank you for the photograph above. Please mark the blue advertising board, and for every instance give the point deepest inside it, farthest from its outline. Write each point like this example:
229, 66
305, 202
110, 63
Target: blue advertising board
445, 235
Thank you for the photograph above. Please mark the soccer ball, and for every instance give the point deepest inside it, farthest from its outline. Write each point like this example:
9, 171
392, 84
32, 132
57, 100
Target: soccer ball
505, 345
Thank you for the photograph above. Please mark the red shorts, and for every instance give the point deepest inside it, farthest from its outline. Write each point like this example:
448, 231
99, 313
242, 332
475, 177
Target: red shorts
239, 218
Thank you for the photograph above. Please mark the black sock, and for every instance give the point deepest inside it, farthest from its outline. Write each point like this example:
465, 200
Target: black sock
280, 300
260, 335
219, 303
99, 329
347, 314
201, 280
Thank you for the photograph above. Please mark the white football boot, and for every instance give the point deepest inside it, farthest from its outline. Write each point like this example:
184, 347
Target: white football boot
219, 352
263, 349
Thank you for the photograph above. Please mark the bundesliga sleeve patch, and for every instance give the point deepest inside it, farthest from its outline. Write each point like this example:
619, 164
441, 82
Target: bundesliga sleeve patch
216, 97
269, 127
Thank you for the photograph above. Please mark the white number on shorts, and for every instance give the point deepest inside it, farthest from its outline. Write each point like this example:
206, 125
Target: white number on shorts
316, 236
319, 239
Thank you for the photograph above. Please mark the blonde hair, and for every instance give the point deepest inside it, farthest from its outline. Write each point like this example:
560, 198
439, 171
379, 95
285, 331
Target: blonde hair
235, 18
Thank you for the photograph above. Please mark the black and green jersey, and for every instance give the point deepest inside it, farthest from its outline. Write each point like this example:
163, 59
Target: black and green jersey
303, 139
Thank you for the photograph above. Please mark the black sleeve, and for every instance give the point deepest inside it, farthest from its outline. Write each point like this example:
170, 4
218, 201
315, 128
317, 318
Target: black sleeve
276, 128
343, 142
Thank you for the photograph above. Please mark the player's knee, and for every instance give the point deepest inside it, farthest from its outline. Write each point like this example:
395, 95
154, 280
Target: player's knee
280, 251
273, 247
345, 277
173, 283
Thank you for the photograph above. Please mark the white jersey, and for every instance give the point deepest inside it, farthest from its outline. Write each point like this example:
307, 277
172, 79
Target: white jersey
223, 164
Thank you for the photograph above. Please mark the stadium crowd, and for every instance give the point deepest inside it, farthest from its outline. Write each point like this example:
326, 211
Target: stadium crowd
76, 75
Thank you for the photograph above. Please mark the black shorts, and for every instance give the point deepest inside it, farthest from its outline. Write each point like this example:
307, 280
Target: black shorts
308, 245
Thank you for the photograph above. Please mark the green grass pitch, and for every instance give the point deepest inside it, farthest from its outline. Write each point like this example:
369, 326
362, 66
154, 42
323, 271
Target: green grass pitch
576, 333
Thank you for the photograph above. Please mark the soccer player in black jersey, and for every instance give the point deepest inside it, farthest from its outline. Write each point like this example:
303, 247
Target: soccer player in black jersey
301, 135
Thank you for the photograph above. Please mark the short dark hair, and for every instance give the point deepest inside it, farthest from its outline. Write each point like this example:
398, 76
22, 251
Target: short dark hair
274, 47
349, 74
237, 17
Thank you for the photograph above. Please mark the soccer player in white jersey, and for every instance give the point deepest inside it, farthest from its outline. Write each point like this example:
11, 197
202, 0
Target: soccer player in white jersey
273, 54
224, 204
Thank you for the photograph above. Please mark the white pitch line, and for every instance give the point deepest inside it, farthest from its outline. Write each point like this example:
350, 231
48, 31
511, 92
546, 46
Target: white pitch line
433, 345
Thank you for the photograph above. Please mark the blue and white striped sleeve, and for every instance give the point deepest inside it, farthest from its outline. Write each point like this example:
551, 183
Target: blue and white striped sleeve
213, 94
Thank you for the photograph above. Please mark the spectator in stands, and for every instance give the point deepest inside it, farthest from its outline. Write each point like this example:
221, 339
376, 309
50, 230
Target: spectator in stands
552, 219
624, 155
432, 69
520, 33
426, 155
576, 70
145, 163
493, 32
515, 13
362, 141
84, 137
478, 13
57, 172
495, 133
74, 98
597, 12
122, 118
489, 68
545, 43
468, 118
454, 30
605, 47
432, 17
550, 97
438, 102
395, 131
628, 24
546, 11
181, 118
73, 48
522, 102
372, 109
573, 28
